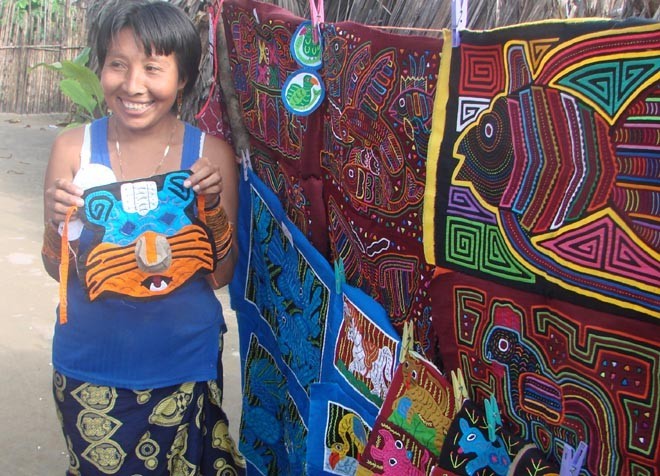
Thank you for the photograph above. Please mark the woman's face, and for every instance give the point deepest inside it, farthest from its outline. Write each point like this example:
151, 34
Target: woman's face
139, 89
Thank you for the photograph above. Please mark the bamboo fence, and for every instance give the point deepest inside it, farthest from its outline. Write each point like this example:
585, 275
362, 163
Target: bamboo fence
46, 35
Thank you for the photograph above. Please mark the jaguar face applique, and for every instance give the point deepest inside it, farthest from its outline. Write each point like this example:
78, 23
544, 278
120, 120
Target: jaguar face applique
146, 240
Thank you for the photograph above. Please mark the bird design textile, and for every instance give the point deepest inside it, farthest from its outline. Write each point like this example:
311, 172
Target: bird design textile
560, 373
376, 126
340, 432
543, 173
282, 296
285, 147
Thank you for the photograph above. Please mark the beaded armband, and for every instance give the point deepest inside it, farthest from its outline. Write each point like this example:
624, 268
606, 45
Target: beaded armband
216, 220
52, 245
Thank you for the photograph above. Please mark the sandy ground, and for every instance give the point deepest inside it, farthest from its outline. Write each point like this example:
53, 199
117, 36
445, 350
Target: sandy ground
30, 434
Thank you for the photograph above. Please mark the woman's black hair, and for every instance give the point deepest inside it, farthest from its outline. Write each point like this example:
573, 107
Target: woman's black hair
161, 27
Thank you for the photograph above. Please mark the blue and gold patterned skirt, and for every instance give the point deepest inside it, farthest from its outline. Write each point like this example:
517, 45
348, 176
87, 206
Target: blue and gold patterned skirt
177, 430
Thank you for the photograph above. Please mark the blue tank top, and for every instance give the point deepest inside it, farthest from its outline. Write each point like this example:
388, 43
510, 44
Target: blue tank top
140, 344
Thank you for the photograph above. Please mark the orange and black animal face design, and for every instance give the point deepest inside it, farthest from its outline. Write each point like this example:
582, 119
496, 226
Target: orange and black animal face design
146, 241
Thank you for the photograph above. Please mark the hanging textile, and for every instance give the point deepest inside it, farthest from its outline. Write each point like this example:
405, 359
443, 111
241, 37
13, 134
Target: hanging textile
413, 421
476, 445
561, 373
284, 146
359, 361
363, 348
339, 433
543, 169
376, 126
300, 327
282, 296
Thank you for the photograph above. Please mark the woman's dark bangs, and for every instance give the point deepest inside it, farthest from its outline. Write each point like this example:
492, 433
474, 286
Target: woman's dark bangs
155, 39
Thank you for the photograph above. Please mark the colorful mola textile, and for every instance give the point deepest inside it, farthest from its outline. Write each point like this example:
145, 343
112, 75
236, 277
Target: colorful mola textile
282, 294
363, 348
359, 360
477, 446
339, 433
153, 222
561, 373
285, 147
413, 421
376, 127
302, 329
543, 163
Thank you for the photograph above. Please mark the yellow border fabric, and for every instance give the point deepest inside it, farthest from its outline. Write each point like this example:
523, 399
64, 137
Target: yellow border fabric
435, 141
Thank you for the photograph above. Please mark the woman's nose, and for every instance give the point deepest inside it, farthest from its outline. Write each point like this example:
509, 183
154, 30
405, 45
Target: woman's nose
134, 81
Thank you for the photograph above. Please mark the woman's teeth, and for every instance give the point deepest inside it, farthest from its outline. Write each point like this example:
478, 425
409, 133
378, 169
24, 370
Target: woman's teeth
135, 106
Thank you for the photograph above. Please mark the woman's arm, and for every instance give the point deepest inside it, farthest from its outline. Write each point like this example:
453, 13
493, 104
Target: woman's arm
215, 175
60, 194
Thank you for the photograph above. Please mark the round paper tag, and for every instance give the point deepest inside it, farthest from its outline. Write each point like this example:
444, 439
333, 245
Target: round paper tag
303, 92
305, 49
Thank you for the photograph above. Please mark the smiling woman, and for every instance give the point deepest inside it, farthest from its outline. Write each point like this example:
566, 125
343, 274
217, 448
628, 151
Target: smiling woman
139, 323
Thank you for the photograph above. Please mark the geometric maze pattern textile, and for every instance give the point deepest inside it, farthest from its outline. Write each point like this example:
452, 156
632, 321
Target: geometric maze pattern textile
284, 147
561, 373
547, 177
376, 127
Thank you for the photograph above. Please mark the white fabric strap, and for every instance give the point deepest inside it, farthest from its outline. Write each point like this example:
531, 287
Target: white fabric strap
201, 143
86, 149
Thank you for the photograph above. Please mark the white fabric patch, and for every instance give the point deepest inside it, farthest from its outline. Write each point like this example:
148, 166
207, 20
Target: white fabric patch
139, 197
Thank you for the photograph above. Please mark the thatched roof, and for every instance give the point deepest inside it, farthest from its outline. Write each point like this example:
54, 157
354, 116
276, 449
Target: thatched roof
420, 15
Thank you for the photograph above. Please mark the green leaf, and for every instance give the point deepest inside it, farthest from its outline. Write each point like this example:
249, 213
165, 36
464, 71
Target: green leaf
56, 66
83, 57
86, 77
74, 91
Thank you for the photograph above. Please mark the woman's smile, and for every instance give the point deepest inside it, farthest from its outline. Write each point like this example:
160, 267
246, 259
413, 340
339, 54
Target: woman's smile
135, 106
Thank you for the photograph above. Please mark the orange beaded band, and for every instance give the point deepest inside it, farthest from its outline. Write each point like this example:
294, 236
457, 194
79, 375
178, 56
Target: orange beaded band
216, 220
51, 246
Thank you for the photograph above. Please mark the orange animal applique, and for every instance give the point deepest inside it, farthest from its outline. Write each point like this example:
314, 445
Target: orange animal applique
145, 239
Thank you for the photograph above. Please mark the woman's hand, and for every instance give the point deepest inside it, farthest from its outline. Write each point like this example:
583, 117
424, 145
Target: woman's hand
206, 179
59, 197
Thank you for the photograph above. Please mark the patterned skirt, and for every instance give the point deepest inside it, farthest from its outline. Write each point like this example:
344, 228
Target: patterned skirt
176, 431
